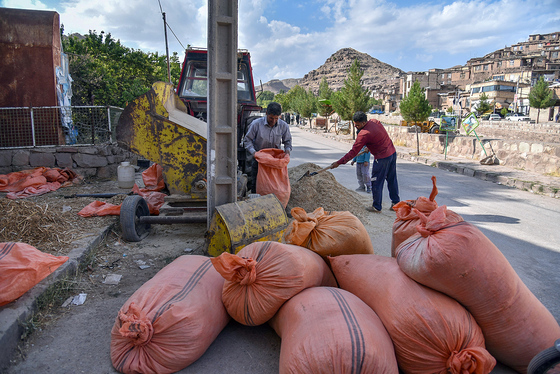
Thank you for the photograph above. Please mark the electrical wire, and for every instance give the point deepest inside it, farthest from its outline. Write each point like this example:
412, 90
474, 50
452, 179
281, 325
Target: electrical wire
169, 27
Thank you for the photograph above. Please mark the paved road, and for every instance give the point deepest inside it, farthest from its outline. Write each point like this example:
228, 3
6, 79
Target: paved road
521, 224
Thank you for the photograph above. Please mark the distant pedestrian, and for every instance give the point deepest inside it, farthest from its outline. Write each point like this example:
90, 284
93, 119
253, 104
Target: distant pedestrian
558, 117
362, 170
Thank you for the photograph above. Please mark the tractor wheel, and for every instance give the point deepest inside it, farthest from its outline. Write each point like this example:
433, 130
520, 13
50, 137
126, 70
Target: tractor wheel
435, 130
132, 208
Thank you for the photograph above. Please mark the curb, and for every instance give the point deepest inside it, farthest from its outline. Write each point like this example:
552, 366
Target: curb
14, 315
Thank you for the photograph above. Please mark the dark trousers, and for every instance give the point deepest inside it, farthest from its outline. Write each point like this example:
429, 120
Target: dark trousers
381, 170
252, 185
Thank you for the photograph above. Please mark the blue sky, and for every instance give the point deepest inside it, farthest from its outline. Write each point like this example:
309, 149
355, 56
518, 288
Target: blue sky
289, 38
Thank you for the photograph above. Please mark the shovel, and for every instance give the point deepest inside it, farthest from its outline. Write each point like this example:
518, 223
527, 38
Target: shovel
308, 174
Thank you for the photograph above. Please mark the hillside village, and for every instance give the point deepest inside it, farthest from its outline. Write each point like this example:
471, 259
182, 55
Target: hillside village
505, 76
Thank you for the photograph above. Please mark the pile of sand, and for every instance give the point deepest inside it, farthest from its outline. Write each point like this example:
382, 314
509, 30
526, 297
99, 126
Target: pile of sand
322, 191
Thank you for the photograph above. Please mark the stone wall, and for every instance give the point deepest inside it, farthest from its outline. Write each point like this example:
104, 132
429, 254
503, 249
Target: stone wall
515, 153
91, 161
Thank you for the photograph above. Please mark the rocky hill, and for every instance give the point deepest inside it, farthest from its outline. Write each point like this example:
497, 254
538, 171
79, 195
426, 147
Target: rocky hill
377, 75
277, 85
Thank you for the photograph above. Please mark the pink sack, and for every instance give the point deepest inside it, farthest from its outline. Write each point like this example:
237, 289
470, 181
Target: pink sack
263, 275
22, 266
171, 320
431, 332
272, 177
460, 261
329, 330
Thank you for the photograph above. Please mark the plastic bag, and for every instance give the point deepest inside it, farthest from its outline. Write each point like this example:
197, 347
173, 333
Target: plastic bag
99, 208
273, 174
431, 332
263, 275
460, 261
22, 266
171, 320
329, 330
38, 181
328, 234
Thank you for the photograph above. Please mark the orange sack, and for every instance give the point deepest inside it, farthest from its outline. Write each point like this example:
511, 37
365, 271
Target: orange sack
431, 332
328, 233
22, 266
407, 218
273, 174
171, 320
460, 261
263, 275
329, 330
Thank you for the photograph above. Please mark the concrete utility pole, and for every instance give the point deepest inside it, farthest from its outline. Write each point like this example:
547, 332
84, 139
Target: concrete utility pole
221, 147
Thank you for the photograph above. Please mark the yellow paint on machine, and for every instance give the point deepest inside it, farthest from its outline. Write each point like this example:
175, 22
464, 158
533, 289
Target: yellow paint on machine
156, 126
236, 225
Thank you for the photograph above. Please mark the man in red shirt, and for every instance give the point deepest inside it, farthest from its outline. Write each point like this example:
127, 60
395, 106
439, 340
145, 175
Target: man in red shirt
374, 136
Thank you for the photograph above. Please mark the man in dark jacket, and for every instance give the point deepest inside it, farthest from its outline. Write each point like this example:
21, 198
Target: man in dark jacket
374, 136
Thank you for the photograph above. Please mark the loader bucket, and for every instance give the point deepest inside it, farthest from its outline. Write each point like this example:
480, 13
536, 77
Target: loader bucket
156, 126
236, 225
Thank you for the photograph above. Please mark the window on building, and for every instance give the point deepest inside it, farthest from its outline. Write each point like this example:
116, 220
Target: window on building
511, 62
475, 90
554, 55
520, 47
515, 48
477, 68
540, 45
499, 63
486, 67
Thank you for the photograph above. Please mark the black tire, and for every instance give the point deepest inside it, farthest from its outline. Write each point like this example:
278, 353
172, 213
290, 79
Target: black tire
547, 359
132, 208
435, 130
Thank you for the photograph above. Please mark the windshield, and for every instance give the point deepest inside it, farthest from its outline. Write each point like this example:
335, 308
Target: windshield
195, 82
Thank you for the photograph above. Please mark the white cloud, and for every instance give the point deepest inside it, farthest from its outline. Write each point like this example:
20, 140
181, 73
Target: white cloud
287, 45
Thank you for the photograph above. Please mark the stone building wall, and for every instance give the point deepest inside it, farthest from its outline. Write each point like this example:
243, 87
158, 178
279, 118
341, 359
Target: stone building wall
91, 161
523, 146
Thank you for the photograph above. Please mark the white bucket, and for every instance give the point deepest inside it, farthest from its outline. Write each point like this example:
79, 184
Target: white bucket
125, 173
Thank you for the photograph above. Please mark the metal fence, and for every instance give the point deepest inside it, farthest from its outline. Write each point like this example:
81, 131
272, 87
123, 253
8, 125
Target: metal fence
57, 125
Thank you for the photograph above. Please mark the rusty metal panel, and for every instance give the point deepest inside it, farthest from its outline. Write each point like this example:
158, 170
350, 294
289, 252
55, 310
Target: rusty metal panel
30, 48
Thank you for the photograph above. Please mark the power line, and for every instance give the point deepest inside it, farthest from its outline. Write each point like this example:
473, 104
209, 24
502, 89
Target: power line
170, 29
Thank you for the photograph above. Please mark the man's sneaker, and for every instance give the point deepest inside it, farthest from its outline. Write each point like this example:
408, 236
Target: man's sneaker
360, 189
368, 190
393, 204
372, 209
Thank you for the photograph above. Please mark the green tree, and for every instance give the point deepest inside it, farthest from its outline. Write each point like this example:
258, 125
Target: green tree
483, 105
416, 108
541, 97
265, 98
105, 72
352, 97
324, 105
504, 111
305, 104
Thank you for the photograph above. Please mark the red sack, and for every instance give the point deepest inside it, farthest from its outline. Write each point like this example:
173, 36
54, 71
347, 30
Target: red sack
99, 208
273, 174
263, 275
460, 261
21, 267
171, 320
328, 234
407, 218
329, 330
153, 178
431, 332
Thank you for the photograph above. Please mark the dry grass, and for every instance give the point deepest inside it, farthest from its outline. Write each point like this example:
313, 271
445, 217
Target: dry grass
41, 226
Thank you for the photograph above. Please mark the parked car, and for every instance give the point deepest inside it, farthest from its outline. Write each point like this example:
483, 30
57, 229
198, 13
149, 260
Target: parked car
518, 117
494, 117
